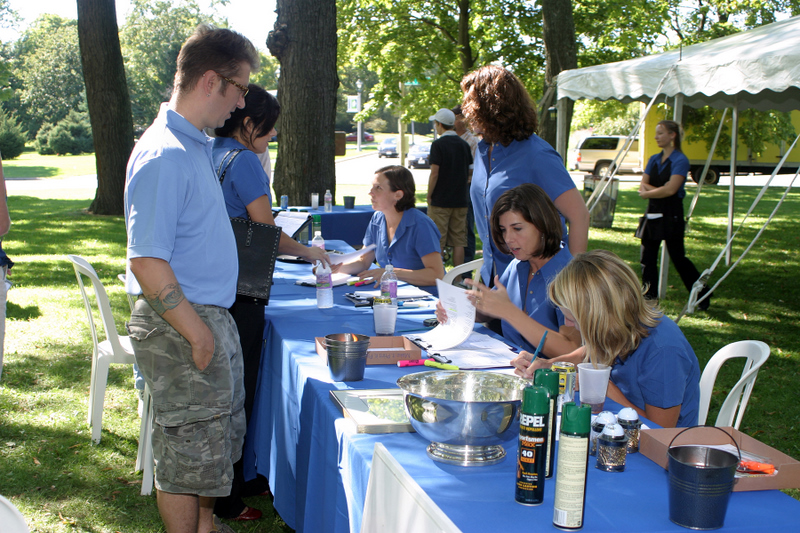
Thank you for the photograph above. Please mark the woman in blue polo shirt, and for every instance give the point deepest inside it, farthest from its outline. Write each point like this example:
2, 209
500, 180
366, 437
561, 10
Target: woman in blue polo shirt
404, 236
497, 106
525, 224
653, 367
662, 185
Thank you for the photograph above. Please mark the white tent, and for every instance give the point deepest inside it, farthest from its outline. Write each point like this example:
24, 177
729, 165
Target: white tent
759, 68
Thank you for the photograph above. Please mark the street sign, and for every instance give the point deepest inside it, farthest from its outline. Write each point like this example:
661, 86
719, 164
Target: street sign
352, 104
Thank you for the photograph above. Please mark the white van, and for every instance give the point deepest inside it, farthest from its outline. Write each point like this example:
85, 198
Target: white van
597, 152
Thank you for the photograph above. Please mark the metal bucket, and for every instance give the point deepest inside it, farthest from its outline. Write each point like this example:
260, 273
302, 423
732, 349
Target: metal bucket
347, 355
700, 483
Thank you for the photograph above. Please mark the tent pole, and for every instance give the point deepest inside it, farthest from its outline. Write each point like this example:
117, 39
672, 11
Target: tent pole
663, 277
732, 186
562, 135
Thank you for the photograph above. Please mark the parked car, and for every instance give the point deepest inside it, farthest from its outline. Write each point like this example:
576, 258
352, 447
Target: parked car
596, 153
418, 155
365, 137
388, 147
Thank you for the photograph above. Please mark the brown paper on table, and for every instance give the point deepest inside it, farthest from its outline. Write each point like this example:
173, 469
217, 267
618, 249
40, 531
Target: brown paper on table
653, 444
382, 350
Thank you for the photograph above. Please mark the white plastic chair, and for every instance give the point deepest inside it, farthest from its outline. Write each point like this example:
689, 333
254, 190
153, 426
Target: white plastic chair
456, 271
115, 349
756, 352
11, 518
144, 457
395, 503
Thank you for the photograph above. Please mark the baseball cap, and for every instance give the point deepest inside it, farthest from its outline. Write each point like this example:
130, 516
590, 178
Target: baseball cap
444, 116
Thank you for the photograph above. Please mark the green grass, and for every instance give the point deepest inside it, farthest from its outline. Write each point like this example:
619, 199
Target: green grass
32, 165
62, 483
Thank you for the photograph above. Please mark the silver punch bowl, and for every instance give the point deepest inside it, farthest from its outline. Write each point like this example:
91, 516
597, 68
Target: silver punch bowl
466, 415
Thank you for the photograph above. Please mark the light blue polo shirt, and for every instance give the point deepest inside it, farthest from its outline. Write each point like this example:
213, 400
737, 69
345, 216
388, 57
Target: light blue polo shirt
416, 237
532, 297
174, 210
529, 161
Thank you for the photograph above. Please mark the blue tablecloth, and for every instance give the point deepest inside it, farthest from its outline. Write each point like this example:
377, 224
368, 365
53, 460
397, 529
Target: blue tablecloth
342, 224
318, 467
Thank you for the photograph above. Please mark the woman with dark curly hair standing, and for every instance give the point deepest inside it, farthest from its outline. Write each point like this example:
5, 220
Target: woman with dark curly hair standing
497, 106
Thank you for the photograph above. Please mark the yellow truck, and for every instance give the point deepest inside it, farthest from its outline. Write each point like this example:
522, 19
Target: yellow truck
746, 161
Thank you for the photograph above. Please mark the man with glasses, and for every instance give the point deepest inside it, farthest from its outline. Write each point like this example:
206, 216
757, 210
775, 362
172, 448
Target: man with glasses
182, 261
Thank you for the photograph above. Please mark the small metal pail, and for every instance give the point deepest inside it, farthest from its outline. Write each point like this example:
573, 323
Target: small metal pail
347, 356
700, 483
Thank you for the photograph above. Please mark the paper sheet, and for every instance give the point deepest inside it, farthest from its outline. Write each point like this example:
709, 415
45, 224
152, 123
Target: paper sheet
460, 320
291, 221
403, 293
479, 351
350, 256
336, 279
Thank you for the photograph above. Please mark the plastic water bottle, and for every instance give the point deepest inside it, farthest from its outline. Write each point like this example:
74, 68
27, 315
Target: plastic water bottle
318, 241
328, 201
324, 285
389, 284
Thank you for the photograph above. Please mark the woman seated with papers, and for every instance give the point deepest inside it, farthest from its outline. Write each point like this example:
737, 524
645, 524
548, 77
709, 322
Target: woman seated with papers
525, 223
404, 237
654, 369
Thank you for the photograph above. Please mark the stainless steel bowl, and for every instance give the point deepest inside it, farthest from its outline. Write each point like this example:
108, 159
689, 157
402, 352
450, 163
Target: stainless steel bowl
466, 415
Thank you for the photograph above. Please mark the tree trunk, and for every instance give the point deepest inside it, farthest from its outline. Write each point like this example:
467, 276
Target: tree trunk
304, 41
560, 54
108, 101
464, 47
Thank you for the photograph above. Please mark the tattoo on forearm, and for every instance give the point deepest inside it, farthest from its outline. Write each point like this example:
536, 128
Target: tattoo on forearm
169, 298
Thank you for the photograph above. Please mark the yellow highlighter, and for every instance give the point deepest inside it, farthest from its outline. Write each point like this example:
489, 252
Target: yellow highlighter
441, 366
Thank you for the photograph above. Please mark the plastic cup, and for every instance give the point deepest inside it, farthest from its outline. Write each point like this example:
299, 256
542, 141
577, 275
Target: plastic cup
349, 202
385, 317
593, 385
314, 200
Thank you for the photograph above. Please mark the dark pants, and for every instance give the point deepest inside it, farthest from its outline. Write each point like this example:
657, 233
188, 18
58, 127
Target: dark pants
249, 317
677, 254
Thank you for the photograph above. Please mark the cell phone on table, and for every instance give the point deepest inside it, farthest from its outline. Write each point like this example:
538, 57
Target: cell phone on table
430, 322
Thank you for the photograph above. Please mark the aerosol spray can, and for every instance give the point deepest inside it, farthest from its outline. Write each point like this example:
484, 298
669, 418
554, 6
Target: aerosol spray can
532, 457
572, 467
544, 377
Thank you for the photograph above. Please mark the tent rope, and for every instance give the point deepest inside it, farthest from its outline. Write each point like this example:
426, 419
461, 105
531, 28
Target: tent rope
704, 277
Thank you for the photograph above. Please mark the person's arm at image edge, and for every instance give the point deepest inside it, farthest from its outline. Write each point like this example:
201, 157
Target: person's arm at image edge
5, 219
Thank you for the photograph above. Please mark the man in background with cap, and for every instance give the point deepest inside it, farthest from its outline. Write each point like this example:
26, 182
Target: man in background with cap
448, 184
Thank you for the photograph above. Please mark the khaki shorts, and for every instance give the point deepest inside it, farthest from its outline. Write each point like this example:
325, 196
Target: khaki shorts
199, 421
452, 224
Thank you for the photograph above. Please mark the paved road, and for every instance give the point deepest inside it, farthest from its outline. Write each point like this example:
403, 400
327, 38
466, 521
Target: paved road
356, 170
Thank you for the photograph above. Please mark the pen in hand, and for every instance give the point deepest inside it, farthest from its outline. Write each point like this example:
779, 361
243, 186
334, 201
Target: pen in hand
539, 348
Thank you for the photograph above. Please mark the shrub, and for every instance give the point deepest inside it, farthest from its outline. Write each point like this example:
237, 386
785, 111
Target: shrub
42, 143
73, 135
12, 138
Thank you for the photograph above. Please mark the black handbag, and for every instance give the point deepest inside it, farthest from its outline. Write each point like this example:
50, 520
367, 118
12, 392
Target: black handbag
257, 245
